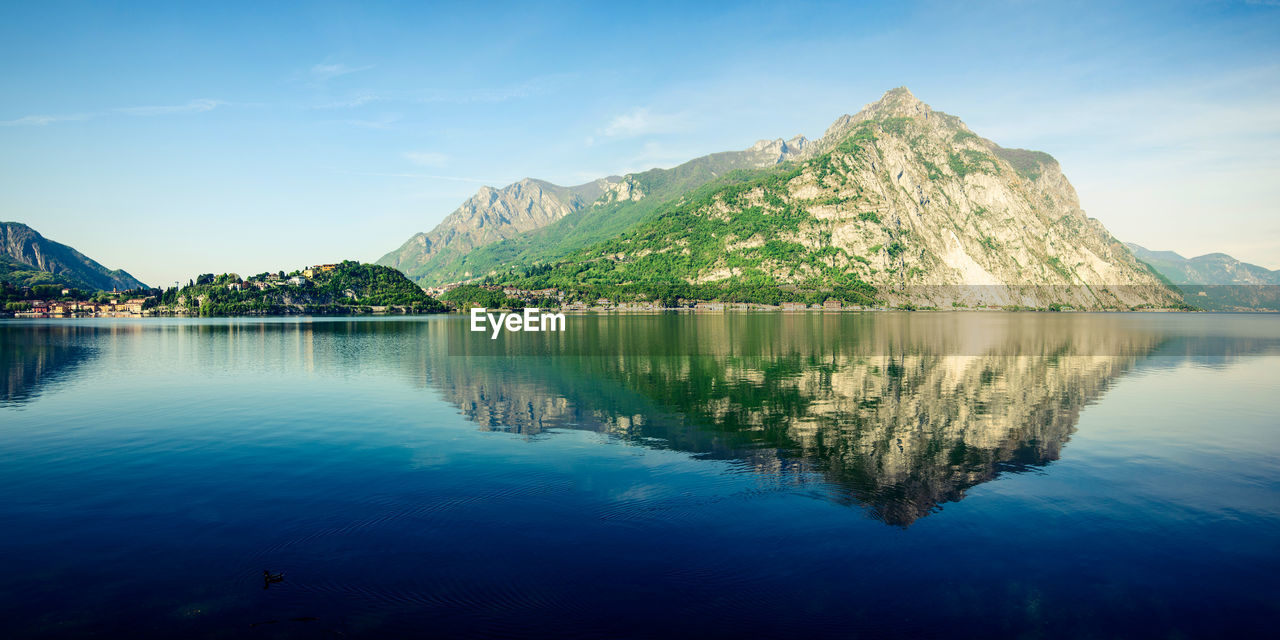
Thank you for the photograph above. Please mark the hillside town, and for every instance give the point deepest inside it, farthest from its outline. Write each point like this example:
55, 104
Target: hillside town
115, 307
41, 302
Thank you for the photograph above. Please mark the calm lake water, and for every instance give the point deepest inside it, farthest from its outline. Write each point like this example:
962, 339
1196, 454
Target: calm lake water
744, 475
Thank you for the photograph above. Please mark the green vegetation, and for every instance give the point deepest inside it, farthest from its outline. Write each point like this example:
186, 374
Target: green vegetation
468, 296
1057, 265
350, 287
1026, 163
59, 264
19, 274
897, 126
21, 288
590, 225
669, 257
968, 161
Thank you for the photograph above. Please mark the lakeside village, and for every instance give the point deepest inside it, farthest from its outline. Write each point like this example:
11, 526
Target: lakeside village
353, 288
345, 288
57, 301
71, 303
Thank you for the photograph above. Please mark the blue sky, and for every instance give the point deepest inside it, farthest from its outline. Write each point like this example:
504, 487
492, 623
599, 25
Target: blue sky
171, 139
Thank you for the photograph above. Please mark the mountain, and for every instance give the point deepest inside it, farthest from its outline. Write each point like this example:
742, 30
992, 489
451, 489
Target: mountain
898, 200
28, 258
1211, 268
347, 287
1216, 281
899, 418
534, 220
492, 215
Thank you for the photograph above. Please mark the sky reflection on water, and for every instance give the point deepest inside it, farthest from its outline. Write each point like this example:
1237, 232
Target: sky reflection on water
948, 474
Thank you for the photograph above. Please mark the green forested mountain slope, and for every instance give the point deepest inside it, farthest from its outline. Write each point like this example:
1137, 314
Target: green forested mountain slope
28, 258
534, 220
899, 198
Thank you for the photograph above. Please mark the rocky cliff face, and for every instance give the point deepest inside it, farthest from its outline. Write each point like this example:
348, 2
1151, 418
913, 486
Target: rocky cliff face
494, 214
25, 246
770, 152
950, 210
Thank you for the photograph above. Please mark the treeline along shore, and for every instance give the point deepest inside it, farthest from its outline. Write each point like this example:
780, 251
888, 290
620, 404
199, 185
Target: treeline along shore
345, 288
353, 288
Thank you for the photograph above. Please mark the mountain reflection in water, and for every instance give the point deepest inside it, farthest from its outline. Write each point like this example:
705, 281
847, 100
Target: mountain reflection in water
663, 475
33, 356
895, 413
898, 415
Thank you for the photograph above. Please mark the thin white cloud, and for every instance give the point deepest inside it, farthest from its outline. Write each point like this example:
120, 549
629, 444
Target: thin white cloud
358, 99
489, 95
427, 158
423, 176
194, 106
469, 96
381, 123
325, 72
45, 119
642, 121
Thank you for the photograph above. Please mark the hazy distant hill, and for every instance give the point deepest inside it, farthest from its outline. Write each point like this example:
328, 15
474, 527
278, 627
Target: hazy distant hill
1211, 268
28, 258
899, 199
1216, 281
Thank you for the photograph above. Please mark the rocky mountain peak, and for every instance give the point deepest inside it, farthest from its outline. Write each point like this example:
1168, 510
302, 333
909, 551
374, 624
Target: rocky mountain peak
895, 103
780, 150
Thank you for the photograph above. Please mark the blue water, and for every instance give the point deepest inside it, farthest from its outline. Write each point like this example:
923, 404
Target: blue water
837, 475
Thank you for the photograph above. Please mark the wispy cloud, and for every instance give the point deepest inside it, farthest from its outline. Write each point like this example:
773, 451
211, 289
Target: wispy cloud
642, 121
427, 158
483, 95
468, 96
381, 123
357, 99
42, 120
325, 72
193, 106
425, 176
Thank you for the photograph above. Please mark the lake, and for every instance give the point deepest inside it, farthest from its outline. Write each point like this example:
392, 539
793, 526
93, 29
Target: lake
737, 474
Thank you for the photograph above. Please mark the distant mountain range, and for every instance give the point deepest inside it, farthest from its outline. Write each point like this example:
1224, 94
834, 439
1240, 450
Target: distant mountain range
533, 220
1210, 268
28, 258
897, 201
1216, 281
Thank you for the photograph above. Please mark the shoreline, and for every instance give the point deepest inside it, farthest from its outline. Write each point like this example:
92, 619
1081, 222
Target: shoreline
616, 311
